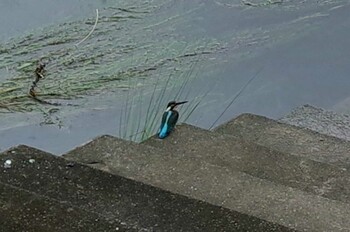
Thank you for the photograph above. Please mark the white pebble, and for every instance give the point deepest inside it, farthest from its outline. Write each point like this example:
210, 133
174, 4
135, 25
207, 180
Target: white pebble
7, 164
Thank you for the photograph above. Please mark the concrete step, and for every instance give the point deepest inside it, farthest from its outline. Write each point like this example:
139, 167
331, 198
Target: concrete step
320, 120
130, 203
22, 210
216, 184
283, 168
290, 139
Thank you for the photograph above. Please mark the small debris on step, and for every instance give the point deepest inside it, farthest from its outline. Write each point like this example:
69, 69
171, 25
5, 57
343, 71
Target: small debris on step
7, 164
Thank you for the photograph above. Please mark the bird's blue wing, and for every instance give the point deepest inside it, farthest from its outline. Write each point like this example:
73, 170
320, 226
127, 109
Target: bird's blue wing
163, 120
163, 130
169, 121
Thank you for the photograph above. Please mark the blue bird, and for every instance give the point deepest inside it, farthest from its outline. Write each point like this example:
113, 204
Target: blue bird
169, 119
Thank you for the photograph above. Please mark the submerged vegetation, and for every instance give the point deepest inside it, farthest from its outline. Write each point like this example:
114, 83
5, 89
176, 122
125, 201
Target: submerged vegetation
134, 40
125, 50
120, 48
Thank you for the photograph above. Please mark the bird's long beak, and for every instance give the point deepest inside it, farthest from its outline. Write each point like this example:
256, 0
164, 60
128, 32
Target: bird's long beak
180, 103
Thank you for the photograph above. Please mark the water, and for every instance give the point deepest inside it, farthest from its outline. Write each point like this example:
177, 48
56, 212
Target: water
299, 50
22, 16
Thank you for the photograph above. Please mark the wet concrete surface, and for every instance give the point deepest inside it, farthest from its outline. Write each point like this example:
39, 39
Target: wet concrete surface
299, 50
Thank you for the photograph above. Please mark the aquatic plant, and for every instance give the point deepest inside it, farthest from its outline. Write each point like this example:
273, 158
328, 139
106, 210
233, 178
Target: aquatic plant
139, 124
142, 112
115, 50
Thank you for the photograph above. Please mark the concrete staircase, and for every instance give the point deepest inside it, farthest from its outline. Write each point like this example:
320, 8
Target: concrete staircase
294, 140
54, 194
250, 174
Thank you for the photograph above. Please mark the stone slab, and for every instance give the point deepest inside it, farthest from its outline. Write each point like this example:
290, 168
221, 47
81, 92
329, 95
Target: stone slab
213, 183
320, 120
21, 210
132, 204
290, 139
232, 152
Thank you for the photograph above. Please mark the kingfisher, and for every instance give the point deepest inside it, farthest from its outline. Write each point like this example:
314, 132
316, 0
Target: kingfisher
169, 119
